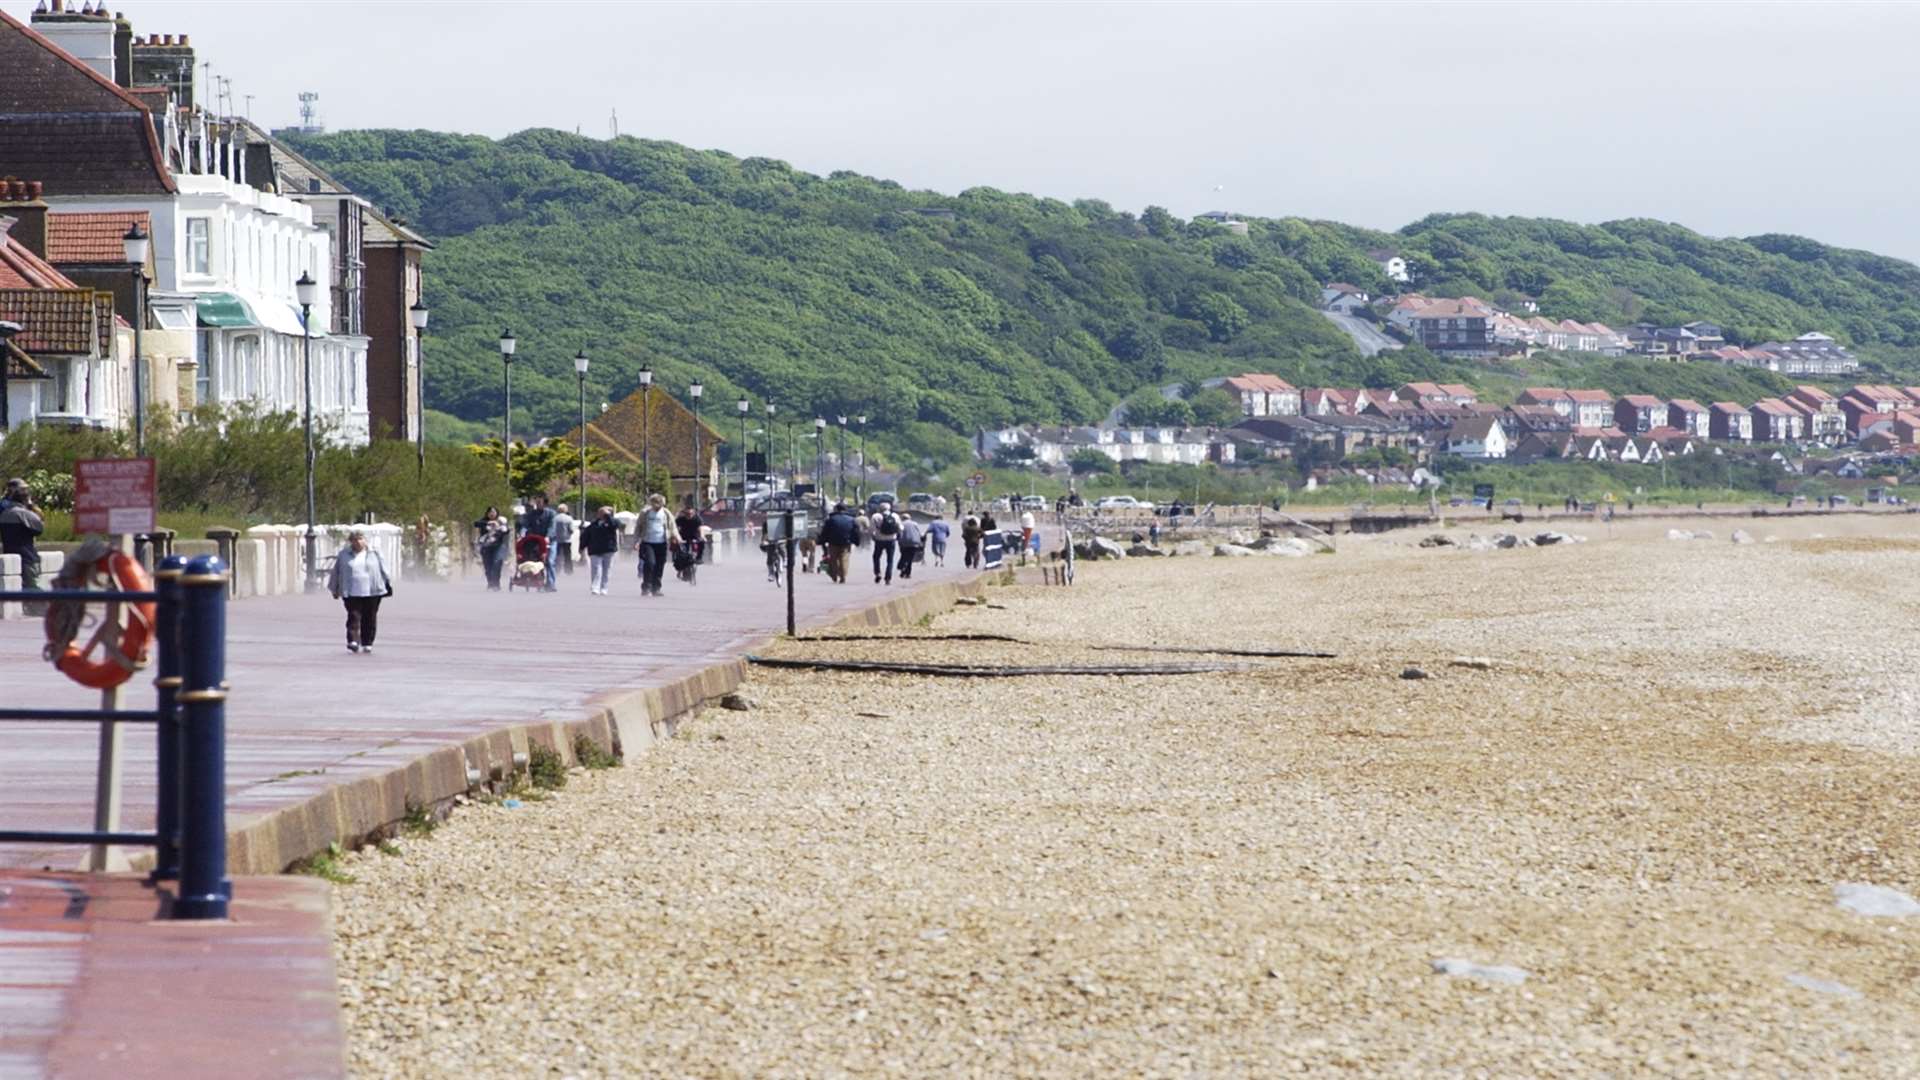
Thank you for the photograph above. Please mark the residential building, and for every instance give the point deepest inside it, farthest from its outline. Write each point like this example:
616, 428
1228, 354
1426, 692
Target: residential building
1729, 422
1552, 397
1690, 417
1456, 327
1404, 308
1591, 408
392, 285
123, 131
1825, 422
67, 361
1342, 298
1639, 413
1477, 437
1263, 395
1392, 266
1868, 400
652, 425
1811, 354
1775, 421
1540, 419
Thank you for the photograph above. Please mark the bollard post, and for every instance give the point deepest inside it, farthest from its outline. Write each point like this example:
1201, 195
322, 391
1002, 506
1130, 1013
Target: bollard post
789, 528
166, 633
204, 886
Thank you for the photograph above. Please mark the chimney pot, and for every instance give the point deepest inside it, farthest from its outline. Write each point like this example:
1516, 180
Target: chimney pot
183, 39
56, 7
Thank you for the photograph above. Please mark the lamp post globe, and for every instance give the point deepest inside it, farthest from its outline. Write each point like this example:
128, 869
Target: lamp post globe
417, 315
861, 493
744, 406
507, 346
305, 290
134, 245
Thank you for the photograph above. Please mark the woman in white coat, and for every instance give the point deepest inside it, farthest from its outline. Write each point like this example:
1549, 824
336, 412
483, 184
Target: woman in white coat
360, 579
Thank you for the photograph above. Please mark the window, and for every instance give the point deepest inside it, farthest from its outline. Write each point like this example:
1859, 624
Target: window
199, 253
203, 370
54, 399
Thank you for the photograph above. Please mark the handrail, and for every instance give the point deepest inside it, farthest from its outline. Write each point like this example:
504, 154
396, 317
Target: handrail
189, 834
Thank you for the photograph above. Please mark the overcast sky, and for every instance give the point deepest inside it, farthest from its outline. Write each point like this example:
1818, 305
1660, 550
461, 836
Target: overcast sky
1732, 118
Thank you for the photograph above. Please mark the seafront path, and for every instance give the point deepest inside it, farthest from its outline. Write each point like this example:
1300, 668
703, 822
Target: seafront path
318, 736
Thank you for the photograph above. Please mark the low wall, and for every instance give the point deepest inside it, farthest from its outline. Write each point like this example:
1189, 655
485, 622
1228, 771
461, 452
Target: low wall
624, 722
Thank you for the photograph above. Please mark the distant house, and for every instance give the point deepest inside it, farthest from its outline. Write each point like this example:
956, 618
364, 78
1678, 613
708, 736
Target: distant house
1462, 394
1868, 400
1811, 354
1425, 393
1456, 328
1342, 298
1591, 408
1540, 418
1690, 417
652, 425
1477, 437
1774, 421
1730, 422
1663, 342
1550, 396
1639, 413
1825, 422
1705, 334
1392, 266
1404, 308
1263, 395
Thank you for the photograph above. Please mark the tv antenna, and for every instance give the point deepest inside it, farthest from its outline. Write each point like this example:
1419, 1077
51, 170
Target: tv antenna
613, 124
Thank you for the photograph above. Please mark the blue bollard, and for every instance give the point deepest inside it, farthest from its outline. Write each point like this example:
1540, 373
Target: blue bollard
204, 886
166, 633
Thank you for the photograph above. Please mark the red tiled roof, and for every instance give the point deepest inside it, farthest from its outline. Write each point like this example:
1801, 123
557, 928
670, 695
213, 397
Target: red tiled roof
93, 236
1728, 407
669, 428
1591, 396
1772, 407
1265, 384
1686, 405
1644, 401
58, 321
22, 269
1458, 389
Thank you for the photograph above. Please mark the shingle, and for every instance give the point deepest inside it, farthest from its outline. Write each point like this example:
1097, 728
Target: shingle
92, 237
60, 322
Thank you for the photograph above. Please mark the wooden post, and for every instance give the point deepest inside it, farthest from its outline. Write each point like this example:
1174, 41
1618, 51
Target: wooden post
106, 783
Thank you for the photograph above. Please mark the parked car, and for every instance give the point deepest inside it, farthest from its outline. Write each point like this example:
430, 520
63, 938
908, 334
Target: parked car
925, 501
1122, 502
1033, 502
876, 499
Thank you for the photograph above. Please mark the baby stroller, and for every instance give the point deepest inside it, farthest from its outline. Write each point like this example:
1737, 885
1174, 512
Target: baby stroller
686, 559
529, 564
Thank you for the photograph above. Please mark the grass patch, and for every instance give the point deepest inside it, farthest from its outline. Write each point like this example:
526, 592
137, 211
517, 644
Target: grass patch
419, 821
325, 864
387, 847
296, 772
590, 754
545, 768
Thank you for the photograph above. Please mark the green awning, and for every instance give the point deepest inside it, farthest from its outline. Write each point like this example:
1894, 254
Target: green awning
223, 309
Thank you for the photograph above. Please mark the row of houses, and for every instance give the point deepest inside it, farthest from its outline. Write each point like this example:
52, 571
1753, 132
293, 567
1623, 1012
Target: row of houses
111, 143
1472, 328
1056, 446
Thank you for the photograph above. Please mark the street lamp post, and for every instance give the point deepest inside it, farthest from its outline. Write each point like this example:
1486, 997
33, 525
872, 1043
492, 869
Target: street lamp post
304, 290
646, 432
580, 369
793, 459
507, 345
769, 445
417, 314
699, 473
820, 459
134, 247
744, 406
840, 485
862, 492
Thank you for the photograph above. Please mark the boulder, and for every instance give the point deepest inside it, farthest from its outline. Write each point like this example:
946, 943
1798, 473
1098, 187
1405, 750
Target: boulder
1438, 540
1548, 538
1703, 534
1741, 536
1145, 551
1099, 547
1476, 542
1679, 534
1293, 547
1236, 551
1506, 540
1192, 547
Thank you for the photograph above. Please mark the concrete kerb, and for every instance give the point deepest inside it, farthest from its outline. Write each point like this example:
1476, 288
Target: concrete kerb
625, 723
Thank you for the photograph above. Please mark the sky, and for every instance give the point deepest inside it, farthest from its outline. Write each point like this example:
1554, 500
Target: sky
1731, 118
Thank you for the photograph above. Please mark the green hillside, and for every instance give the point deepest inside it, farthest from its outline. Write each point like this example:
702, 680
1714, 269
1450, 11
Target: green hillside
850, 294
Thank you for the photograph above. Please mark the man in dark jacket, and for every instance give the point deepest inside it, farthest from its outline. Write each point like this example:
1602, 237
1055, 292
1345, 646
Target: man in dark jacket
601, 538
20, 525
837, 534
537, 520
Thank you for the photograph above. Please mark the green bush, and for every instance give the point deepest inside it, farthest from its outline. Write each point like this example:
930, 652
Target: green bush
618, 498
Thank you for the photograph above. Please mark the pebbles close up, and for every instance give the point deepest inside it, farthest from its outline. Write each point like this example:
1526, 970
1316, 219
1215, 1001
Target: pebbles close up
1650, 810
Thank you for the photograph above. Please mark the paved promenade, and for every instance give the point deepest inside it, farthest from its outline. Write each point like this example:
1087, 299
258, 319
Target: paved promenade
453, 661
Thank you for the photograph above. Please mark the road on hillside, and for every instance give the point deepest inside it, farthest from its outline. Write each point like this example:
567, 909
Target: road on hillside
1364, 334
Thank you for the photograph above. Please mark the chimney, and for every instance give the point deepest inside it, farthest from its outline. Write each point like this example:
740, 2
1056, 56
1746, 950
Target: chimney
122, 51
20, 200
83, 32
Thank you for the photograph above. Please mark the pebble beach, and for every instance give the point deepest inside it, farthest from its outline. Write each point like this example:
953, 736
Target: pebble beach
1630, 806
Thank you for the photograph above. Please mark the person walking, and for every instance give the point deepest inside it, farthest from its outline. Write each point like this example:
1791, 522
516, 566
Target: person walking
654, 530
360, 579
937, 532
886, 537
837, 535
600, 538
490, 543
1026, 529
911, 542
970, 538
20, 528
563, 530
538, 521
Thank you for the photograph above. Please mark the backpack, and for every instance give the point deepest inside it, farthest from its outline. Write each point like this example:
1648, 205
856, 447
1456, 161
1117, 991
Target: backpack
889, 526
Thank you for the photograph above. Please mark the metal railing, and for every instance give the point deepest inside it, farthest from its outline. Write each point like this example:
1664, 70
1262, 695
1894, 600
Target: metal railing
190, 816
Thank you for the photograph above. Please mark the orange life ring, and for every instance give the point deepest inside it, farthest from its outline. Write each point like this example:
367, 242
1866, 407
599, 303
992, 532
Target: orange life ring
123, 649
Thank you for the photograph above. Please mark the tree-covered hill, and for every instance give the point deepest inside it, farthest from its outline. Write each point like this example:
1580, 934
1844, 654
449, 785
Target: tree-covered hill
850, 294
